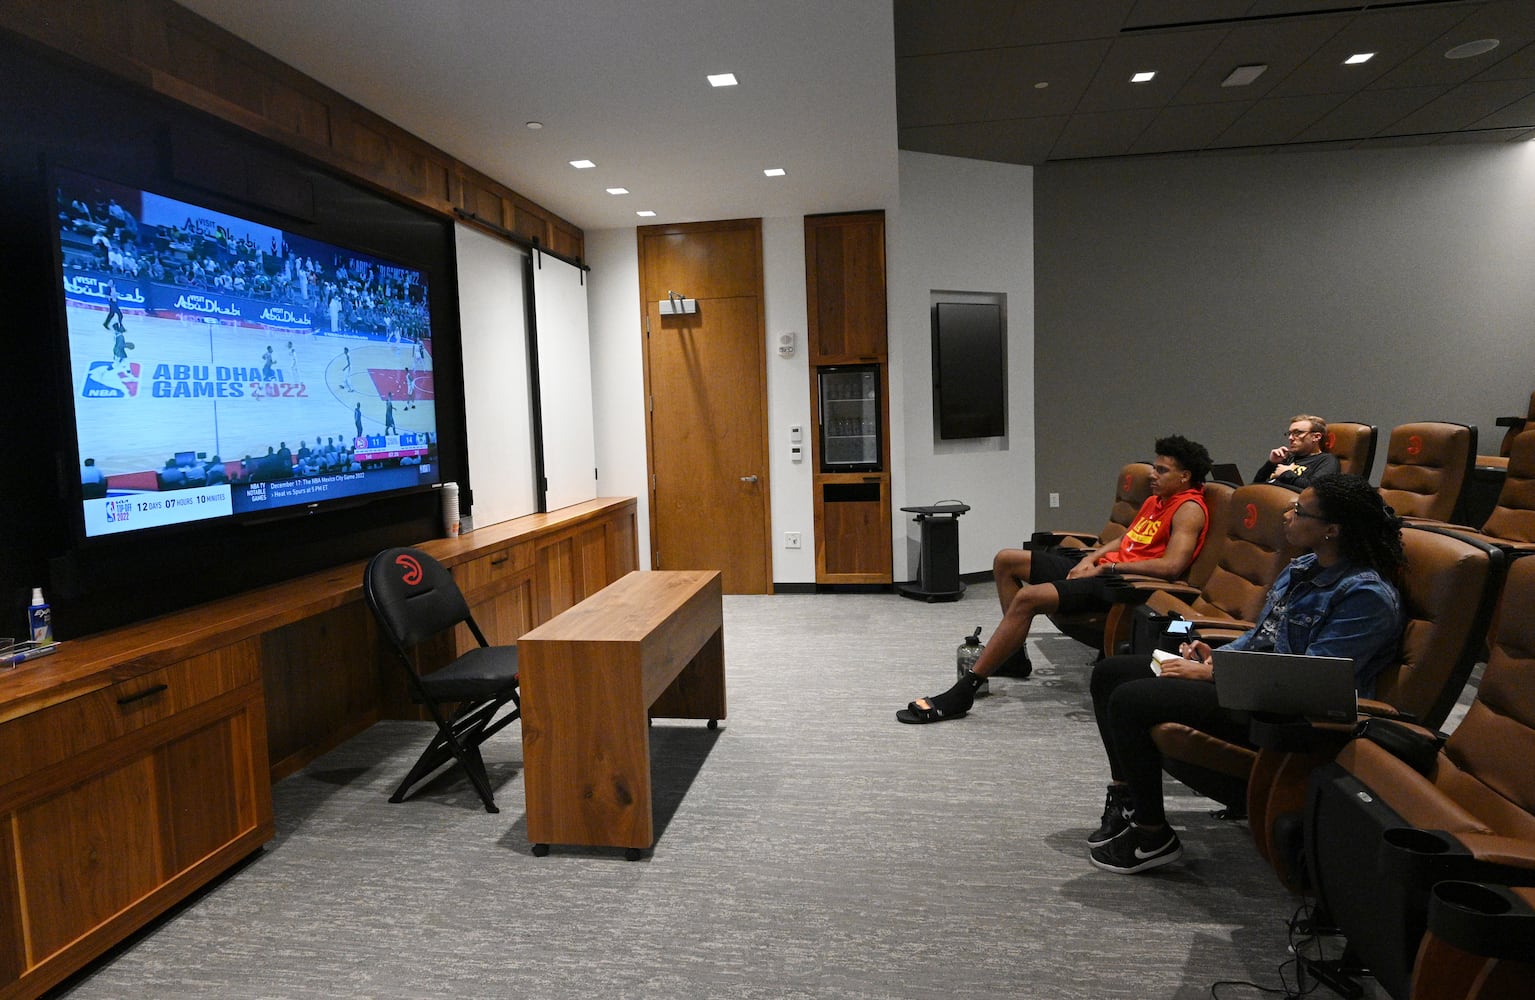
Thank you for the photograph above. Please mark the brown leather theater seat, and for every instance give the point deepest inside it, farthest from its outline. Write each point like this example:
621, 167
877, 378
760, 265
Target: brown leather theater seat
1445, 597
1427, 465
1353, 444
1383, 832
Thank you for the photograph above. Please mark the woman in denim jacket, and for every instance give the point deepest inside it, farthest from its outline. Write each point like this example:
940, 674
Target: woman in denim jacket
1337, 600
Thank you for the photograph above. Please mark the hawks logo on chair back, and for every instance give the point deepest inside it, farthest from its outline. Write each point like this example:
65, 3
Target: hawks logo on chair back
411, 574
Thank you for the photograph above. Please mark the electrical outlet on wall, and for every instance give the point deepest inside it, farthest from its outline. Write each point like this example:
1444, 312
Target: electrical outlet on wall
791, 540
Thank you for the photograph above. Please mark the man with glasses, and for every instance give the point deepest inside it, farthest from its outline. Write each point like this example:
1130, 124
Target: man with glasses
1164, 538
1301, 459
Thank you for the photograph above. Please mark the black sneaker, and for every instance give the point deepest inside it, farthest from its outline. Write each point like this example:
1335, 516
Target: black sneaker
1137, 851
1118, 810
1016, 665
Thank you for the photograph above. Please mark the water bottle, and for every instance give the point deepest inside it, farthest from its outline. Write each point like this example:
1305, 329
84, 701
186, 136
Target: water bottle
965, 656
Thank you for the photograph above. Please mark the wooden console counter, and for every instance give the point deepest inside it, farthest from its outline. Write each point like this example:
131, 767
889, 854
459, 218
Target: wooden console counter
136, 765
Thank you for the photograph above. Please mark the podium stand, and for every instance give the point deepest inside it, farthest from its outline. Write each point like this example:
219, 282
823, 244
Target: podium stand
938, 559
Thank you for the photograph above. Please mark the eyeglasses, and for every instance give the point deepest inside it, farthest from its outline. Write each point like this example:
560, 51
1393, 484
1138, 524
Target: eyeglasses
1300, 434
1295, 509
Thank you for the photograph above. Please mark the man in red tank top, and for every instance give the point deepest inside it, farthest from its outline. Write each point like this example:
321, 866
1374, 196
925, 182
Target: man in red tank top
1163, 540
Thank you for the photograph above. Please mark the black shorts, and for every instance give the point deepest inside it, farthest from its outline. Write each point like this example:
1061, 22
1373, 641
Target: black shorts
1075, 596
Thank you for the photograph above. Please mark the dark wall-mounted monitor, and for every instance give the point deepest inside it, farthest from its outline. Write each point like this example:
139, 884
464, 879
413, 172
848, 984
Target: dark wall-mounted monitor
969, 370
223, 368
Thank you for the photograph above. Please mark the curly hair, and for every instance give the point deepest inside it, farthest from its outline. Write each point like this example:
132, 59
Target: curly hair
1369, 530
1189, 454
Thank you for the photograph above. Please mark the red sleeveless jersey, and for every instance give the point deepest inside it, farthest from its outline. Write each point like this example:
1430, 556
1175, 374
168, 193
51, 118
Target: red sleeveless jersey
1153, 527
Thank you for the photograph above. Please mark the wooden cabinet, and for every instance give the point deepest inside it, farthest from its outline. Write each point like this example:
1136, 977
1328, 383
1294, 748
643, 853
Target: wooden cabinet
120, 800
845, 291
136, 765
852, 517
845, 287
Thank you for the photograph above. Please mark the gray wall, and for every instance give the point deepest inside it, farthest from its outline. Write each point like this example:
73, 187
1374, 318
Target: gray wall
1216, 296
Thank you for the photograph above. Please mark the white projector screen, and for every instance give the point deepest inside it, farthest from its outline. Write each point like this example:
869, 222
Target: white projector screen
492, 309
564, 382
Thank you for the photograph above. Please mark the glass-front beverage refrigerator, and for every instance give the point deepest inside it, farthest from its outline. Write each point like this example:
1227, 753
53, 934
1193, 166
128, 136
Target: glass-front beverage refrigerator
850, 411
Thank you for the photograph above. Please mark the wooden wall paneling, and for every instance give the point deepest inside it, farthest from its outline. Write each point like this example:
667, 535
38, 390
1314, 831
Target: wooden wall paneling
325, 681
845, 287
167, 48
12, 940
197, 824
853, 536
556, 578
88, 853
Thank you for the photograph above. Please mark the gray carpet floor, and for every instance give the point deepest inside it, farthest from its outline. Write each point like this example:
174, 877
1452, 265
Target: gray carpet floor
810, 847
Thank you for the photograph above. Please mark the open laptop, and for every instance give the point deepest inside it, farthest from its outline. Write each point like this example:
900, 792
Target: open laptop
1226, 472
1316, 687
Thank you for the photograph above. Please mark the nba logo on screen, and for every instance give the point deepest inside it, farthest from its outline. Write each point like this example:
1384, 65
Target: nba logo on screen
117, 510
105, 381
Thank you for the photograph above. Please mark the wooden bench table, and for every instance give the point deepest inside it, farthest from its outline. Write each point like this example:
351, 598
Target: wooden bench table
649, 645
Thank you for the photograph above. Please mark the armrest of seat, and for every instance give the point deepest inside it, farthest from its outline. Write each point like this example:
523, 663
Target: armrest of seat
1134, 589
1050, 539
1291, 735
1518, 422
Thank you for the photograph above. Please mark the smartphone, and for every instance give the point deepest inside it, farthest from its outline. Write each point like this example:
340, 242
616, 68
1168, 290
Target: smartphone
1181, 627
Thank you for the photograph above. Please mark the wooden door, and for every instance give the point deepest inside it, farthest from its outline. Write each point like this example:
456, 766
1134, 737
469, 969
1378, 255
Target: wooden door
705, 376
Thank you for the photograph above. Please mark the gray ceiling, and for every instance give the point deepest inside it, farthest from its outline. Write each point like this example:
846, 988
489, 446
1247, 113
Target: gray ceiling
968, 75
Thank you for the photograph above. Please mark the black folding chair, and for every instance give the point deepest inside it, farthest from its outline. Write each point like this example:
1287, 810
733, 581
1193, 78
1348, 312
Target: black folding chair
414, 598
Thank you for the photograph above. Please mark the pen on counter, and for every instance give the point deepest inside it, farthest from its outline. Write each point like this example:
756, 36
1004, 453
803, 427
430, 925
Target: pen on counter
28, 654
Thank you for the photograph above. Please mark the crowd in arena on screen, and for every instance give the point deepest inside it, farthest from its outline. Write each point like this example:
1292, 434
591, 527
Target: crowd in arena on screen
202, 254
332, 455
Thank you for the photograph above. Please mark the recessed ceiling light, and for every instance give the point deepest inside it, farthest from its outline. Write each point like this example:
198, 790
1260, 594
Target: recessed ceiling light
1041, 85
722, 79
535, 126
618, 190
1244, 75
1358, 57
774, 172
647, 213
1466, 50
582, 164
1143, 77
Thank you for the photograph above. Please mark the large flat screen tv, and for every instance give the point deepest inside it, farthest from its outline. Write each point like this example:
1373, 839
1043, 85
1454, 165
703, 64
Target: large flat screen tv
226, 368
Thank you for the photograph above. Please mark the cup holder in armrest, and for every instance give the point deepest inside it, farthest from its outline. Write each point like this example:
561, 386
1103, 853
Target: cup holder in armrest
1422, 857
1482, 919
1416, 841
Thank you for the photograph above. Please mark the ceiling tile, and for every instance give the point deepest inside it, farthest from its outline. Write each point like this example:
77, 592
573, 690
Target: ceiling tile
972, 140
1173, 55
1042, 22
1369, 113
1463, 106
1513, 24
1521, 113
944, 89
924, 27
1277, 119
1485, 136
1516, 64
1027, 140
1394, 36
1281, 45
1163, 13
1187, 128
1068, 68
1107, 133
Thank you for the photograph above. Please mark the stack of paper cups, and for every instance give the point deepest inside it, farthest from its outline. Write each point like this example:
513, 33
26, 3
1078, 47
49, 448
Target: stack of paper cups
450, 509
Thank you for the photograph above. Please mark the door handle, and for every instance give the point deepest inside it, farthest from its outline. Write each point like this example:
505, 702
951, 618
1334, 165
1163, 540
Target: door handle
748, 479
